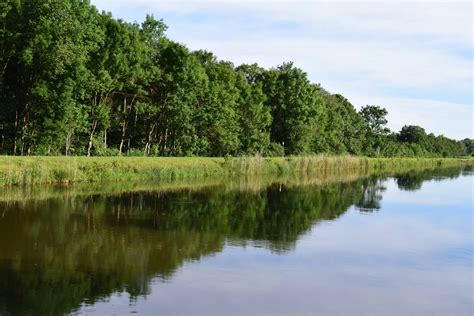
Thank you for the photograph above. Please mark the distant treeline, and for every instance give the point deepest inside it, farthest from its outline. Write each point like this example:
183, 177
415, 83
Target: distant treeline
74, 81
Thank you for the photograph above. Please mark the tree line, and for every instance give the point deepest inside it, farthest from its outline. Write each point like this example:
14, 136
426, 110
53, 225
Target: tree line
76, 81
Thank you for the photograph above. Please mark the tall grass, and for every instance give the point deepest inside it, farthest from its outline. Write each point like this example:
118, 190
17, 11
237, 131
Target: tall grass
25, 193
322, 163
64, 170
35, 170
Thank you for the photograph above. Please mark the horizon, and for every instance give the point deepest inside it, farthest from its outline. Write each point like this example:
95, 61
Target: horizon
422, 72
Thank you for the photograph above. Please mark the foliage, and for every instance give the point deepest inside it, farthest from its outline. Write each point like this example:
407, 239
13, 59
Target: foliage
74, 81
412, 134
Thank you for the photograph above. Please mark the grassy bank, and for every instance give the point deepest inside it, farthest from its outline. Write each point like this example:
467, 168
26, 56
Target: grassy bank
41, 170
24, 193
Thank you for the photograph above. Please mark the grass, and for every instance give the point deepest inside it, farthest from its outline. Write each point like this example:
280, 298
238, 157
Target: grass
40, 170
25, 193
66, 170
312, 165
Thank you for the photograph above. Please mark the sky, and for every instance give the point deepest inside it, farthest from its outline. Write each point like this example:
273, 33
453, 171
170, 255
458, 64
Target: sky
415, 58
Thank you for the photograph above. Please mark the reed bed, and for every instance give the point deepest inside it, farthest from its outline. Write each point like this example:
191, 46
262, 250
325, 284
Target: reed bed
241, 183
322, 163
65, 170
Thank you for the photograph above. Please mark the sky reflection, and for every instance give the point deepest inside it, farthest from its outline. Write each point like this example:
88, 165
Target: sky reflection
412, 256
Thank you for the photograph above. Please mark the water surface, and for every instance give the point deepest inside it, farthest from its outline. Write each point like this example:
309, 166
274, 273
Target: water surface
399, 244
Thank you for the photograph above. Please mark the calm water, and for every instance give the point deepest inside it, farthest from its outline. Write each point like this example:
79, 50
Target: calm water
391, 245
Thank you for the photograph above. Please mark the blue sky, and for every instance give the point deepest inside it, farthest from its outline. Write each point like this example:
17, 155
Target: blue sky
413, 57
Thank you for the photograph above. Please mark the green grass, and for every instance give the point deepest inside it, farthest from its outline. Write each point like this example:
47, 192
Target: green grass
65, 170
25, 193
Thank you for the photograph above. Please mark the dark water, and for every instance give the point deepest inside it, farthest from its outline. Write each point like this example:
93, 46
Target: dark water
400, 245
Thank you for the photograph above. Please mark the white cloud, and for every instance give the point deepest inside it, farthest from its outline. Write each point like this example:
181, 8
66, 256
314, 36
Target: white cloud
438, 117
442, 20
381, 64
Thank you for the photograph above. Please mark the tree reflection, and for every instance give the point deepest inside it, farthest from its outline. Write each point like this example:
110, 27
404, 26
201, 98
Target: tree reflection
412, 181
56, 254
372, 195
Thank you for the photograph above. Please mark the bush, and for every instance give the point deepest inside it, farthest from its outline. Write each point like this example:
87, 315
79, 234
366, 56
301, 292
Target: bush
275, 150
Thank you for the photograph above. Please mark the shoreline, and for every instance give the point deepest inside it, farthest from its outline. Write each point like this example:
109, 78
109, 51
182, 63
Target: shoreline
16, 170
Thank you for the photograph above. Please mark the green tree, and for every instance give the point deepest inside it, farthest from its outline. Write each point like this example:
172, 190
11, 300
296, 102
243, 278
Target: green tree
220, 114
375, 120
469, 146
412, 134
254, 116
295, 108
177, 95
47, 71
344, 130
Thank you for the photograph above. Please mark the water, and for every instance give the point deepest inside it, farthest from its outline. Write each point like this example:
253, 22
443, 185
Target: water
398, 245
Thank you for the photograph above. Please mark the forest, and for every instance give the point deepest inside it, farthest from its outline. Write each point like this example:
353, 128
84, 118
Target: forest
78, 82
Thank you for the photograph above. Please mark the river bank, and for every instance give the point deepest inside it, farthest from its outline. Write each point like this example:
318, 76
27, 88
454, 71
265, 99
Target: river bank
64, 170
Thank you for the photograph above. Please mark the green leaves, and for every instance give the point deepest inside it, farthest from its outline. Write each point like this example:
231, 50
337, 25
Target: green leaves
295, 108
412, 134
375, 121
73, 80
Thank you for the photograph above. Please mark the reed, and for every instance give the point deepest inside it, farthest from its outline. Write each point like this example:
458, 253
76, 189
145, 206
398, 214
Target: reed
322, 163
65, 170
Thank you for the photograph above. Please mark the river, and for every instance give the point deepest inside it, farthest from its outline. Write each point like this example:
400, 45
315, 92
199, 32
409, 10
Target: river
397, 244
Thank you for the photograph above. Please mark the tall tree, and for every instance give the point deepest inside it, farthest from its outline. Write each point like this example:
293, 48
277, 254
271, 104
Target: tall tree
254, 116
294, 105
220, 112
375, 119
412, 134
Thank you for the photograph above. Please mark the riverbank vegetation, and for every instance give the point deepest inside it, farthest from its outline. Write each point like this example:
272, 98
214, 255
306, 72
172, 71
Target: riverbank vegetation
74, 81
408, 178
37, 170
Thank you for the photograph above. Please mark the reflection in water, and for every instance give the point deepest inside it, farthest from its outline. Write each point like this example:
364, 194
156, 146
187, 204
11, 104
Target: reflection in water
57, 253
412, 181
372, 195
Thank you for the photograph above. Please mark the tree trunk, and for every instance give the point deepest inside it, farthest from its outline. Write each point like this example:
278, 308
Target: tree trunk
15, 136
105, 139
166, 139
91, 137
23, 129
150, 140
2, 137
124, 125
68, 143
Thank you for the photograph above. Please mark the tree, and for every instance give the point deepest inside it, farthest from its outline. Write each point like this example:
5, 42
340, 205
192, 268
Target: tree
295, 107
254, 116
375, 120
469, 146
412, 134
343, 128
219, 115
45, 74
177, 95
